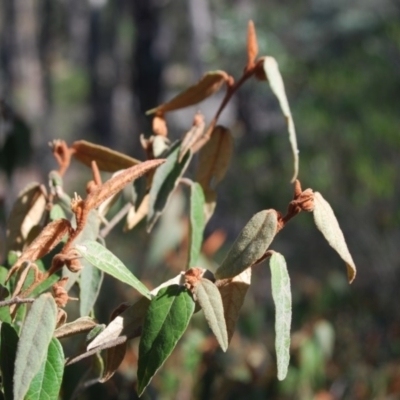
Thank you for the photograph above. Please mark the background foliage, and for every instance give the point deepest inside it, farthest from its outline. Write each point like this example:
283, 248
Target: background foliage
90, 70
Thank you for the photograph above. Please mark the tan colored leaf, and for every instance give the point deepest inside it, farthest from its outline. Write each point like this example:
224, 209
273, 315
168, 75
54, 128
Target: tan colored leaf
326, 222
26, 213
80, 325
210, 83
252, 45
50, 236
117, 183
277, 86
233, 291
107, 160
160, 126
135, 216
113, 359
191, 137
209, 298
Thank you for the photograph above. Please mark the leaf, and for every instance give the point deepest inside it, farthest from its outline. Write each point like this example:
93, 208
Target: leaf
326, 222
46, 383
194, 134
113, 359
250, 245
166, 320
277, 86
106, 261
210, 83
165, 180
9, 342
233, 292
283, 311
252, 45
128, 323
196, 223
210, 300
80, 325
135, 216
57, 212
90, 282
118, 182
26, 213
49, 237
106, 159
36, 335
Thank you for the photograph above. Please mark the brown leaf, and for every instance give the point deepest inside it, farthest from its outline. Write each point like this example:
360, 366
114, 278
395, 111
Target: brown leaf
113, 359
135, 216
191, 137
233, 292
210, 83
26, 213
160, 126
107, 160
327, 223
117, 183
83, 324
252, 45
50, 236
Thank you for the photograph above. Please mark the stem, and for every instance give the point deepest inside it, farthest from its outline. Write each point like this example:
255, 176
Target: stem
117, 217
15, 300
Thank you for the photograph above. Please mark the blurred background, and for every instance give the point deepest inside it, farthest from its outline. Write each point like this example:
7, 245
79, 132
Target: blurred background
89, 69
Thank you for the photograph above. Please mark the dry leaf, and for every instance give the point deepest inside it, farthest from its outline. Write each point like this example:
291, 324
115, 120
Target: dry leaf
327, 223
135, 216
113, 359
233, 292
252, 45
117, 183
26, 213
191, 137
277, 86
160, 126
210, 83
80, 325
107, 160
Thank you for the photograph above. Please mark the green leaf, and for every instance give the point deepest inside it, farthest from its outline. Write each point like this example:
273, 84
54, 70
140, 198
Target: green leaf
57, 212
9, 342
166, 320
250, 245
210, 300
283, 311
326, 222
196, 223
47, 382
90, 282
276, 83
36, 335
165, 180
106, 261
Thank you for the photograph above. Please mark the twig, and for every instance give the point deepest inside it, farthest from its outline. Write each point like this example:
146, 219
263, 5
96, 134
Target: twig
15, 300
117, 217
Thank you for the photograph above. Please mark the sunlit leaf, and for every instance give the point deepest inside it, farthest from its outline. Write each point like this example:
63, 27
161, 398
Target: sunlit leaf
128, 323
165, 180
282, 296
26, 213
47, 382
326, 222
80, 325
192, 135
252, 45
166, 320
233, 292
134, 215
277, 86
106, 159
9, 342
250, 245
196, 223
210, 83
35, 337
210, 300
106, 261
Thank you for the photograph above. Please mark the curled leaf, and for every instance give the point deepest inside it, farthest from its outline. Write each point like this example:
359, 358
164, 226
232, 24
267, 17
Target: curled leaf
106, 159
283, 311
135, 216
118, 182
326, 222
80, 325
250, 245
210, 83
233, 292
277, 86
209, 298
252, 45
194, 134
113, 359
